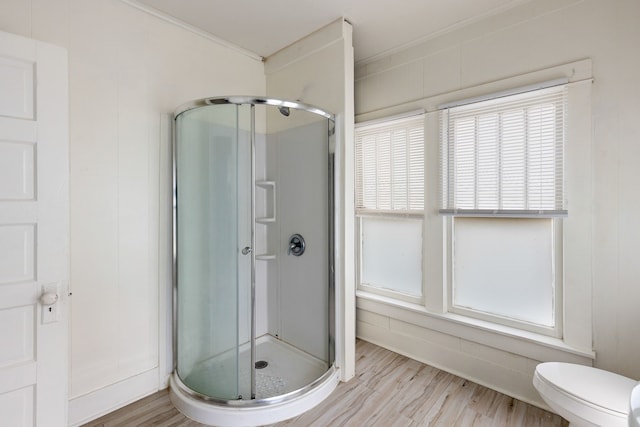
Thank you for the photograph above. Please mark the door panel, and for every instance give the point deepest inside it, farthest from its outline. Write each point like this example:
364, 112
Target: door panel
16, 86
17, 407
34, 252
17, 253
18, 342
17, 160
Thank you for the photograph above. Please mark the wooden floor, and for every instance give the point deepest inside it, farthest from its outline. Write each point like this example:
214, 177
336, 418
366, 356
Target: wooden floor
389, 390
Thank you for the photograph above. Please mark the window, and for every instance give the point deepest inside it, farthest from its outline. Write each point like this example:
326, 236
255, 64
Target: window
389, 177
506, 240
502, 167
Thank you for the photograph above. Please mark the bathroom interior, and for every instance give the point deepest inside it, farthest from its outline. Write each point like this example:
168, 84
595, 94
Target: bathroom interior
117, 294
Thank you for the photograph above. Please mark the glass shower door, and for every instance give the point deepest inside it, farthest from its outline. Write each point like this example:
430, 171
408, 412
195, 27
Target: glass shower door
213, 240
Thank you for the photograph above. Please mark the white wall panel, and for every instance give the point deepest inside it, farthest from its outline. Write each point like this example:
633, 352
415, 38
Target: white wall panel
17, 161
375, 92
17, 253
441, 72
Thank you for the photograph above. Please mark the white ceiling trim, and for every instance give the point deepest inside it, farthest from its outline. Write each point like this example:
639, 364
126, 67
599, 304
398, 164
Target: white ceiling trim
175, 21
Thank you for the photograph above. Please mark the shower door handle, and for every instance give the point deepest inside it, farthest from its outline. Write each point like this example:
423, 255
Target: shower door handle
246, 250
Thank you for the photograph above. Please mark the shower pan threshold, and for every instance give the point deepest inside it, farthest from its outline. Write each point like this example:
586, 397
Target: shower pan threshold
289, 372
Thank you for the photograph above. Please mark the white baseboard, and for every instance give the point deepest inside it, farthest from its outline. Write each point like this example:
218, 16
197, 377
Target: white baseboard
100, 402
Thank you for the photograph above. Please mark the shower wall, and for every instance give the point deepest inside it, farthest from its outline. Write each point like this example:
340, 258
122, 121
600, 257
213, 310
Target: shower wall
298, 287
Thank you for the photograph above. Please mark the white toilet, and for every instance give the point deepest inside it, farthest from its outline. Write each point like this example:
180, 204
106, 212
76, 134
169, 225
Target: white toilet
583, 395
634, 405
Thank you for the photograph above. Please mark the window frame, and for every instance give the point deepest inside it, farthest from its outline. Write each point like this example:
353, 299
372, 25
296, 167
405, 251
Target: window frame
557, 88
400, 214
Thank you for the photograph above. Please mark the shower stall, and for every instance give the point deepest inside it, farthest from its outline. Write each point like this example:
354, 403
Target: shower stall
253, 260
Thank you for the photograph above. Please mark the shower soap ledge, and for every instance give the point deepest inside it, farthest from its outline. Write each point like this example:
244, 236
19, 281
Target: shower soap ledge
265, 220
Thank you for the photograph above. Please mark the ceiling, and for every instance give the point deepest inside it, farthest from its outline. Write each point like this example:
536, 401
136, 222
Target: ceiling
379, 26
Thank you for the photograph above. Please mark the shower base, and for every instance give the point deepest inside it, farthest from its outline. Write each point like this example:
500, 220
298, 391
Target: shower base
291, 383
287, 369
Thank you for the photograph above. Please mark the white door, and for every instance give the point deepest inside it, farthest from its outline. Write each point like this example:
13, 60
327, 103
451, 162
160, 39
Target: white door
34, 229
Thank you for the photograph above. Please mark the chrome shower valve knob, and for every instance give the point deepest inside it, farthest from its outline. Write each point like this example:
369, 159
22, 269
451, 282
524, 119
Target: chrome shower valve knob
296, 245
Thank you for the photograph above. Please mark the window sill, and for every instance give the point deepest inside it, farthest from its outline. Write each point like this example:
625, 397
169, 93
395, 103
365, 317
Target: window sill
527, 344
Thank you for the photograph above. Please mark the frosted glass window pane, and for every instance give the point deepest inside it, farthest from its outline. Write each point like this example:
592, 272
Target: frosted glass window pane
391, 255
504, 266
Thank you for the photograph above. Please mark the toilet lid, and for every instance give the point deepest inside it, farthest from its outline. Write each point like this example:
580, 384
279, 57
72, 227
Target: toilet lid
595, 386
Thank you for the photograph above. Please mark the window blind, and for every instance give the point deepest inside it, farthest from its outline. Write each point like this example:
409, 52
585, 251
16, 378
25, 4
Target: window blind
390, 166
504, 156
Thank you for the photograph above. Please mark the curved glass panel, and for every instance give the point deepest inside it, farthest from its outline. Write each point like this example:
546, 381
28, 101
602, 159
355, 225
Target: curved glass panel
253, 320
212, 155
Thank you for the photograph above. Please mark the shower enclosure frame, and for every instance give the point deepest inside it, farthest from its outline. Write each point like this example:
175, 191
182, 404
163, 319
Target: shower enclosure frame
329, 379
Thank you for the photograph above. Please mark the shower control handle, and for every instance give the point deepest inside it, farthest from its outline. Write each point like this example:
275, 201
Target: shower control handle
296, 245
246, 250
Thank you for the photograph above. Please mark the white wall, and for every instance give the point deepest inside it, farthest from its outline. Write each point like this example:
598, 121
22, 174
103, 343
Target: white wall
318, 70
127, 69
537, 35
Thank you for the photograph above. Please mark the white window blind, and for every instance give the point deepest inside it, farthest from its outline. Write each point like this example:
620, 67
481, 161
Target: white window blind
390, 166
504, 156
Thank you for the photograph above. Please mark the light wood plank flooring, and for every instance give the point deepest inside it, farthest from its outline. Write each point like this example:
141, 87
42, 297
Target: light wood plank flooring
389, 390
